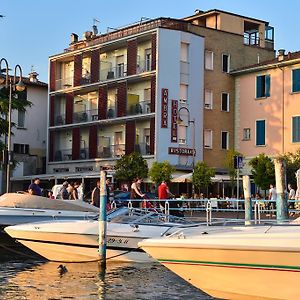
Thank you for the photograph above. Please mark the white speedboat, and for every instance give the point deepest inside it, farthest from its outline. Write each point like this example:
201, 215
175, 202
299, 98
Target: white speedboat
17, 208
77, 241
260, 262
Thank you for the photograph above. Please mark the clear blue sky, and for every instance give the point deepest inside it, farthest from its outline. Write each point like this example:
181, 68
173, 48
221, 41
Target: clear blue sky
33, 30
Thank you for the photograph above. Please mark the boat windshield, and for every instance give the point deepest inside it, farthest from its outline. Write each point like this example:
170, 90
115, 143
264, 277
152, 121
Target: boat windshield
143, 216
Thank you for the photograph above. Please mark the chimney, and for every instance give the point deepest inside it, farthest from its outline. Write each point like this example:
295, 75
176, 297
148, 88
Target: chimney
33, 76
74, 38
280, 56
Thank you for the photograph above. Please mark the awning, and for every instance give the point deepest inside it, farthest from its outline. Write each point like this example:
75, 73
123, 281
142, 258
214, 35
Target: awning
189, 177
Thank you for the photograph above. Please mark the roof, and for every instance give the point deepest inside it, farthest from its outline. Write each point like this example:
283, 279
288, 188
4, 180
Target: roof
27, 81
212, 11
288, 58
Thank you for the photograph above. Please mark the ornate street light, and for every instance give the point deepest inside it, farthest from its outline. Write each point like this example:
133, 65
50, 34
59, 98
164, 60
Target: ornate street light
185, 117
13, 86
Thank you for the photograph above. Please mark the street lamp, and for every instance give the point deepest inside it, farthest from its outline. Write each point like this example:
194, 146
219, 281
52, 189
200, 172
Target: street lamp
13, 86
186, 118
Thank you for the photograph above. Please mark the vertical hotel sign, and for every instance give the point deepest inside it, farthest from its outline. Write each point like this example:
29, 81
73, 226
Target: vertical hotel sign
174, 116
164, 107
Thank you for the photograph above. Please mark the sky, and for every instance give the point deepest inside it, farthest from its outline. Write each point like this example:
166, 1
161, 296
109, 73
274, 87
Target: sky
33, 30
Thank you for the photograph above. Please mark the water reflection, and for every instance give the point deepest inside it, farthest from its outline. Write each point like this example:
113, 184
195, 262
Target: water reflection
31, 279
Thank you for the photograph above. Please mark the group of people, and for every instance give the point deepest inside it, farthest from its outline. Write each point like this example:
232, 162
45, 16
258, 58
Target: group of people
68, 191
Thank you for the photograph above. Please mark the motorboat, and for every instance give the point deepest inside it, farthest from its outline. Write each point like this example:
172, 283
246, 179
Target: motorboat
17, 208
239, 262
78, 240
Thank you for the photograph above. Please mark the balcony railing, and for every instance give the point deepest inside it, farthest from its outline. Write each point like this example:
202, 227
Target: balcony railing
85, 116
111, 112
111, 151
63, 154
113, 73
64, 83
142, 148
142, 107
143, 66
60, 120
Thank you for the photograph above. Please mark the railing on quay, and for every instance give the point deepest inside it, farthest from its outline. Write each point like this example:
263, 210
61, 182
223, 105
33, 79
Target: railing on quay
210, 210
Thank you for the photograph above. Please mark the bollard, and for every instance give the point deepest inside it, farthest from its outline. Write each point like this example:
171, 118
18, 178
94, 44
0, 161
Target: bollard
247, 195
102, 221
281, 201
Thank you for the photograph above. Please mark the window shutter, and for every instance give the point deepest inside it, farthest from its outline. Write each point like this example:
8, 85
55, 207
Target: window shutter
268, 84
296, 80
260, 133
296, 129
258, 87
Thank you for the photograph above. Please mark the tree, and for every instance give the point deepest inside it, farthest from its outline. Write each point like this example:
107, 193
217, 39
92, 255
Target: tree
131, 166
292, 165
263, 171
202, 175
161, 172
19, 102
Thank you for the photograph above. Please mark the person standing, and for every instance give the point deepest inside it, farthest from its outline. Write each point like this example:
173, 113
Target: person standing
96, 194
163, 193
292, 196
34, 188
136, 192
272, 197
63, 192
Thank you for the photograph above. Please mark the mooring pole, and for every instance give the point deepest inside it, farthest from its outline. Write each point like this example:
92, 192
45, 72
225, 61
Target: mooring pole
247, 196
102, 221
281, 200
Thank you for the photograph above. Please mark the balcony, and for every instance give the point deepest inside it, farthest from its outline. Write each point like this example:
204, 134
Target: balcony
60, 120
142, 107
111, 151
64, 83
63, 154
143, 66
119, 71
142, 148
85, 116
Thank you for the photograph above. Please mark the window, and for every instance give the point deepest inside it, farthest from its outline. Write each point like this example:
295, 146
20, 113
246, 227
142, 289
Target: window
21, 119
225, 140
246, 134
209, 60
263, 86
296, 129
208, 99
184, 52
225, 102
120, 66
296, 80
21, 148
148, 59
260, 133
208, 138
225, 63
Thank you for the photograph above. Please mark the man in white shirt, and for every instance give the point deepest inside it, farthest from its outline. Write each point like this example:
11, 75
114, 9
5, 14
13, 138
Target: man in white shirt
272, 197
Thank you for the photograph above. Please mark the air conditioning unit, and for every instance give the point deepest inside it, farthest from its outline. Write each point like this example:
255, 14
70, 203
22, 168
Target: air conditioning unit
207, 105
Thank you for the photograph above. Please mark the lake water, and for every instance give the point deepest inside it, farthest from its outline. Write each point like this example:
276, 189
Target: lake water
27, 277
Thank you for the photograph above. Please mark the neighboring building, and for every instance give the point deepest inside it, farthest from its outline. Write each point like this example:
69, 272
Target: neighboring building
138, 88
29, 136
231, 42
267, 106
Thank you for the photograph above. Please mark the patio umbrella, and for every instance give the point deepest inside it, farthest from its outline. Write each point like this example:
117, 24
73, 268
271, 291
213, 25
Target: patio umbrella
183, 178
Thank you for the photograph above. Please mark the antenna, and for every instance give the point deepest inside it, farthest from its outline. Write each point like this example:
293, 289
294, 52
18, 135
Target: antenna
95, 28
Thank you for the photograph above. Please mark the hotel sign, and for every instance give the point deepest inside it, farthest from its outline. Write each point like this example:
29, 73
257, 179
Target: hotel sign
164, 107
174, 116
182, 151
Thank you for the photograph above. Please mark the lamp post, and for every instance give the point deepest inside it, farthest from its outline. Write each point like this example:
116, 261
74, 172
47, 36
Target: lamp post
189, 121
13, 86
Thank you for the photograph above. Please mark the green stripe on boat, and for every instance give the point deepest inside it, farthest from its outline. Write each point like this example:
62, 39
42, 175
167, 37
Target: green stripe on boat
227, 264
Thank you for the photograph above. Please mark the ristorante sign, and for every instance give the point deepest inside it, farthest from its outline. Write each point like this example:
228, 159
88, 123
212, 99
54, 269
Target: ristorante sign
164, 107
182, 151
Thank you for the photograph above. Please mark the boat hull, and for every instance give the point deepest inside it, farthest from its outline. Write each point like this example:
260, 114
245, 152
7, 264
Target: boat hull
232, 272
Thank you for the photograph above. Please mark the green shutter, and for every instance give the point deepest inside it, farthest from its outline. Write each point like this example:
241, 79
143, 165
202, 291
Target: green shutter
296, 130
296, 80
268, 85
260, 133
258, 87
